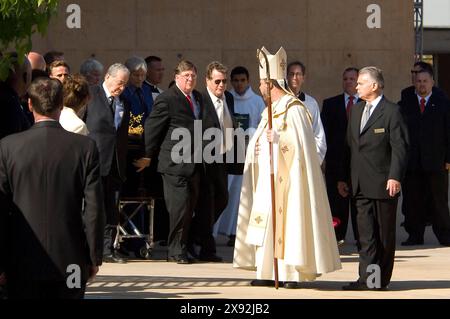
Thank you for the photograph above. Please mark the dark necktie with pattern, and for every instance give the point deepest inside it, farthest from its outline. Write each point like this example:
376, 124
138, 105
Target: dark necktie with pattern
191, 105
422, 105
111, 104
349, 105
154, 89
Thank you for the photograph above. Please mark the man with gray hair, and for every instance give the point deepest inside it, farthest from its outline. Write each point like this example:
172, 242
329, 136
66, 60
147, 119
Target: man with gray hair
138, 96
92, 70
107, 118
378, 139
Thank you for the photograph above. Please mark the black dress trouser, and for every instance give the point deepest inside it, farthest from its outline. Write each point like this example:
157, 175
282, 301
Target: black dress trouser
426, 193
376, 225
340, 207
111, 189
188, 203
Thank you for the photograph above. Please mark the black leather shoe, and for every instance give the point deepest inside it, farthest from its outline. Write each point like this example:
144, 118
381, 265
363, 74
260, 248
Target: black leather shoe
231, 241
291, 285
262, 283
180, 259
210, 258
412, 242
358, 286
192, 252
163, 243
355, 286
113, 258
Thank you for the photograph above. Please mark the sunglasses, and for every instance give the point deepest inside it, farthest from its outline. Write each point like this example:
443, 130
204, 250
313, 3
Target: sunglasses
217, 82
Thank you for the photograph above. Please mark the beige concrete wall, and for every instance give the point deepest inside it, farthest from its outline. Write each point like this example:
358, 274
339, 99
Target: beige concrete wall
326, 35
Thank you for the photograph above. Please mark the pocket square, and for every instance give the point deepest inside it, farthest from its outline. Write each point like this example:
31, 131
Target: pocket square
379, 130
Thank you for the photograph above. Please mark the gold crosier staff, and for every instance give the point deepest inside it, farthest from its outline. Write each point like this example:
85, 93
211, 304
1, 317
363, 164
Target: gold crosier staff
268, 101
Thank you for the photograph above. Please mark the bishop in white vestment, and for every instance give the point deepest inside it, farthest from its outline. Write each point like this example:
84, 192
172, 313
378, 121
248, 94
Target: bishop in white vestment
305, 242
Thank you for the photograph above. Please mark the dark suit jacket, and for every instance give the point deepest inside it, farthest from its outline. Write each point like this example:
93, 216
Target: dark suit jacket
234, 167
429, 132
411, 91
171, 111
334, 120
379, 152
99, 120
45, 172
13, 118
218, 172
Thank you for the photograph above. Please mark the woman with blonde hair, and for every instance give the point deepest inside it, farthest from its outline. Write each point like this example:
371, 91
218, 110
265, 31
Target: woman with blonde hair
76, 96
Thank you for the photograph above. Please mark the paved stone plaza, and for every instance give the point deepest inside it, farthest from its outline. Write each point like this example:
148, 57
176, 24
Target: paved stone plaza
419, 272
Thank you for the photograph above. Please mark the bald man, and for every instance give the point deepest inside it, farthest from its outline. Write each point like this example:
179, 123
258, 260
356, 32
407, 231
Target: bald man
37, 61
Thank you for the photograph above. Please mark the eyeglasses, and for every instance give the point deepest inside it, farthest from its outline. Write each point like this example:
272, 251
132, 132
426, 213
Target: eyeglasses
217, 82
188, 76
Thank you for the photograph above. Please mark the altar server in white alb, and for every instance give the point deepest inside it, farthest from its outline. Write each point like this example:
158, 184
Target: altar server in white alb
305, 243
296, 73
248, 107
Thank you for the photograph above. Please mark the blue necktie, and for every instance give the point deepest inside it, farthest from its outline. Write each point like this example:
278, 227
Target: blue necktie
118, 113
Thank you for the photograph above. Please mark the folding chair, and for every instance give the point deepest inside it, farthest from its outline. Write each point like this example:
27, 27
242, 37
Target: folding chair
123, 233
134, 201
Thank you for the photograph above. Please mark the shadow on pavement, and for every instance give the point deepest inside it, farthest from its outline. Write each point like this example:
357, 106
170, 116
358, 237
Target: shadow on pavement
153, 286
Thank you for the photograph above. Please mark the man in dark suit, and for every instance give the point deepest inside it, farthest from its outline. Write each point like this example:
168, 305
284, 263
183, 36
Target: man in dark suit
50, 246
175, 130
107, 117
335, 112
378, 140
409, 94
14, 117
428, 118
219, 109
410, 91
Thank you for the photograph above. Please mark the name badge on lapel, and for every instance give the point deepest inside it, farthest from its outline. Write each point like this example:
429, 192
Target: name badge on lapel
379, 130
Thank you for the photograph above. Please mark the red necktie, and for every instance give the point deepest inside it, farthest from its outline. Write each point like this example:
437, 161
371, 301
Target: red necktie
349, 105
422, 105
190, 103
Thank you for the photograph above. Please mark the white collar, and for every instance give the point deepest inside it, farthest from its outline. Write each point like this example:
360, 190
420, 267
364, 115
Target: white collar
108, 94
214, 98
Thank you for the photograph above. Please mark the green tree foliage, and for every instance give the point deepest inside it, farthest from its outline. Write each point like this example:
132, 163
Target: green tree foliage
19, 19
